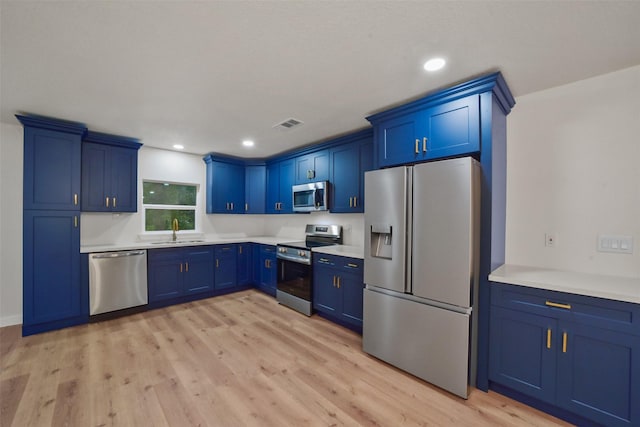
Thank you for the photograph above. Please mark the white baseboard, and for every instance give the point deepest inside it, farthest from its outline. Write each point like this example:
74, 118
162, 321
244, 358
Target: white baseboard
10, 320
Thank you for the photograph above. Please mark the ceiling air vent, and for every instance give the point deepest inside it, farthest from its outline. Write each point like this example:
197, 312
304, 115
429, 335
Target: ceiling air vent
288, 124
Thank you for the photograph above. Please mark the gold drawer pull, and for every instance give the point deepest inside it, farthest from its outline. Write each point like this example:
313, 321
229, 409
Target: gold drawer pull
557, 305
352, 265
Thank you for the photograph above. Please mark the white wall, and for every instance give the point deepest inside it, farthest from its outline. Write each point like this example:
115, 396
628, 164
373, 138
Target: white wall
10, 224
574, 169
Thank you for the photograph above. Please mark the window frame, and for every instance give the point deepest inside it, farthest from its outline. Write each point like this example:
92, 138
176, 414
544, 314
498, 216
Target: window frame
157, 206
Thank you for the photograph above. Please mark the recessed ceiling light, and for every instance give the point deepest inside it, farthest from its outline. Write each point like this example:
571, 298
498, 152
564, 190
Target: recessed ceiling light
248, 143
178, 146
434, 64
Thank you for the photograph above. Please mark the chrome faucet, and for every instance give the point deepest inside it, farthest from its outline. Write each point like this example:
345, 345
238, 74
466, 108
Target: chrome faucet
175, 227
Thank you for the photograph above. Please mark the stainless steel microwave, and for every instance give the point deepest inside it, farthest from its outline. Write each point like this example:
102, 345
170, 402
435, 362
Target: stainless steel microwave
311, 197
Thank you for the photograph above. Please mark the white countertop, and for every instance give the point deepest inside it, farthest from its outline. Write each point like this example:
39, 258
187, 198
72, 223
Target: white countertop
265, 240
341, 250
609, 287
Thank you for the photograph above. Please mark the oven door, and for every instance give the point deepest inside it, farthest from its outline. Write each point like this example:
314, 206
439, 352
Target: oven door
294, 278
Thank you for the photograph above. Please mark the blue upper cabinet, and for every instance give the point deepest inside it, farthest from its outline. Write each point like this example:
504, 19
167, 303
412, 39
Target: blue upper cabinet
348, 163
445, 130
255, 189
280, 177
225, 185
109, 173
51, 163
312, 167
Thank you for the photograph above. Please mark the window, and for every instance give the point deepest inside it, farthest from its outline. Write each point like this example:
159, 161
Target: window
163, 201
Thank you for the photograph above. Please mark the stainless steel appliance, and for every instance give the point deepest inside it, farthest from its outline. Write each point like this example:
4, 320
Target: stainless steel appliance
311, 197
421, 269
295, 275
117, 280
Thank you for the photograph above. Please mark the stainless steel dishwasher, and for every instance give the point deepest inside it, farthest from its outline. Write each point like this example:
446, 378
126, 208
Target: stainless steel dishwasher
117, 280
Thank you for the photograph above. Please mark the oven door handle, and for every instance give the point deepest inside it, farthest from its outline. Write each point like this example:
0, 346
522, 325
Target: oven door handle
293, 259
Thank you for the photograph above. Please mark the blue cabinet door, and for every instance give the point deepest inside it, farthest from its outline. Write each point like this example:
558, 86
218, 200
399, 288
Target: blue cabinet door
124, 179
225, 266
397, 139
523, 352
351, 286
345, 171
287, 168
165, 274
255, 189
599, 374
245, 268
268, 269
197, 270
225, 187
51, 169
326, 295
109, 178
280, 177
312, 167
96, 173
53, 296
452, 128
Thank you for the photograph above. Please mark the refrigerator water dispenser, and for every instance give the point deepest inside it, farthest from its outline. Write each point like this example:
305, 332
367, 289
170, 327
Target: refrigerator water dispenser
381, 241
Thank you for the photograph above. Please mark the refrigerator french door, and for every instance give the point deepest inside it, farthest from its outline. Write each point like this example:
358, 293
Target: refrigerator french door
421, 269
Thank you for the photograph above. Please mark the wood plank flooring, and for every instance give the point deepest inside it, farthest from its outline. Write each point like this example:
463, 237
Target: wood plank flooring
235, 360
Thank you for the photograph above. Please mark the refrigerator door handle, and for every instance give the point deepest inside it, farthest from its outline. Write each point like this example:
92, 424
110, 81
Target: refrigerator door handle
408, 195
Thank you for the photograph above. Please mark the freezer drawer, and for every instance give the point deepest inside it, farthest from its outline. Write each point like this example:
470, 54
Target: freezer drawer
117, 280
429, 342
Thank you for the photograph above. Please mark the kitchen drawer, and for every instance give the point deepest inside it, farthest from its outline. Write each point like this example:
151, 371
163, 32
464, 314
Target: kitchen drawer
353, 265
604, 313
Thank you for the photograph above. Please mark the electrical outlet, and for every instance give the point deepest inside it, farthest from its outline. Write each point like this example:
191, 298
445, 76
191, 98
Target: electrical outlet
550, 240
615, 244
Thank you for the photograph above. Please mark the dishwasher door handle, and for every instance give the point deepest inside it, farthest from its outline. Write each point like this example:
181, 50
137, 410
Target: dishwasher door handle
117, 254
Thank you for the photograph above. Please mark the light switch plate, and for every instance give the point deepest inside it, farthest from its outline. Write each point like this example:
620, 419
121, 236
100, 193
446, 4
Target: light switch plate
615, 244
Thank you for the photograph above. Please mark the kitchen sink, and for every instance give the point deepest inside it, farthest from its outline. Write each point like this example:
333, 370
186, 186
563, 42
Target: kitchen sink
175, 242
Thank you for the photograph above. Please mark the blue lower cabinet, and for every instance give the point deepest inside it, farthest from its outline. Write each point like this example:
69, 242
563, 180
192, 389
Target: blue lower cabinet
244, 252
521, 356
177, 272
337, 289
574, 356
54, 296
599, 374
267, 269
226, 268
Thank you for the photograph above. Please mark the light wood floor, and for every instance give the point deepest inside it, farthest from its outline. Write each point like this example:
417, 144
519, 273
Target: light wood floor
235, 360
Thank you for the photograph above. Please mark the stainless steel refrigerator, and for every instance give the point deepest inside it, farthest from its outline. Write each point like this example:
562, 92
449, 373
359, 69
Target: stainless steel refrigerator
421, 269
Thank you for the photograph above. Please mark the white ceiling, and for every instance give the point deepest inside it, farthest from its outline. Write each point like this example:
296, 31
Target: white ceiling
208, 74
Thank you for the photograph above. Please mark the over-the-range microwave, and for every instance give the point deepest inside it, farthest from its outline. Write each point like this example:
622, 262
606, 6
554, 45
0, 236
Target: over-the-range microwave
311, 197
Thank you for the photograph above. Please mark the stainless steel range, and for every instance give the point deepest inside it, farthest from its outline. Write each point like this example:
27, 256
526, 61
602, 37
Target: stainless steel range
295, 273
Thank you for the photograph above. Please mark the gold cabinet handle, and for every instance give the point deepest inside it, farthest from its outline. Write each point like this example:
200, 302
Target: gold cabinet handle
549, 338
338, 282
114, 202
417, 144
239, 249
334, 281
75, 199
231, 205
217, 263
75, 221
107, 201
564, 342
186, 267
424, 144
246, 207
350, 202
355, 201
557, 305
180, 267
352, 265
